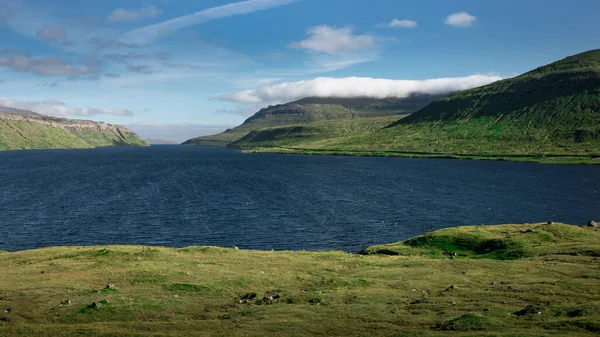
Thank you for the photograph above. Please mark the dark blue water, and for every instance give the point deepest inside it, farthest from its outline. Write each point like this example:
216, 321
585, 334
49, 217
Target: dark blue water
182, 196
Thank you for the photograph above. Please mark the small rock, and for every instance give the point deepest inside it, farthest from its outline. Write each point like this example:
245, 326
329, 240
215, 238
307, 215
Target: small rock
67, 302
248, 296
593, 224
175, 295
110, 286
236, 247
529, 230
271, 298
453, 303
94, 305
452, 287
503, 302
7, 310
526, 310
494, 283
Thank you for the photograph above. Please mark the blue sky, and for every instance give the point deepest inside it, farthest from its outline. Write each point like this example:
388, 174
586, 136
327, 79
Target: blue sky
176, 69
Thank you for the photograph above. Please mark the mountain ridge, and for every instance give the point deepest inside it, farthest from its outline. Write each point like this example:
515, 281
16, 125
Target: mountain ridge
24, 129
317, 109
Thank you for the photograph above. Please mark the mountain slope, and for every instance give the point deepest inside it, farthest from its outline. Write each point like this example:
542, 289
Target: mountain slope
23, 129
316, 109
299, 134
554, 109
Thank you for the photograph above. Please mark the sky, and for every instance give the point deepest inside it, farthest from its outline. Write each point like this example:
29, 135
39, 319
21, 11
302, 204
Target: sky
175, 69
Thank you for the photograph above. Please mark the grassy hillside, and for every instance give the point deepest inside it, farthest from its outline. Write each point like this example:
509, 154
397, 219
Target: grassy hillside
457, 282
552, 110
301, 133
316, 109
28, 130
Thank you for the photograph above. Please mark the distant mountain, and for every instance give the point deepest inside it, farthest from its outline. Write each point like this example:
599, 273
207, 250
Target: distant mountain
317, 109
153, 141
24, 129
553, 110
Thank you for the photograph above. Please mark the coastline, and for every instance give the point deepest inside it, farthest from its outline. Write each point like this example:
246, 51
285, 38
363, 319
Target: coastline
591, 159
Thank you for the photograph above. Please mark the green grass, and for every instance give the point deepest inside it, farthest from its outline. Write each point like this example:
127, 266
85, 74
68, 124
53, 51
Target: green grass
419, 291
299, 134
20, 134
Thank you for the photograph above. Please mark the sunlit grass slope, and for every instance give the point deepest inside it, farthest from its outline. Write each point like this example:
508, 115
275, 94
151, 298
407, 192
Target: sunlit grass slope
34, 131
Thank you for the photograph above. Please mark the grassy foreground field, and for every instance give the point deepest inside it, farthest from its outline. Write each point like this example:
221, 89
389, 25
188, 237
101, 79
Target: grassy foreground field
518, 280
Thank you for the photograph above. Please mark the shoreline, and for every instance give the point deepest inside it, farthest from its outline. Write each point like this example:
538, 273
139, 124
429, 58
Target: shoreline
364, 251
592, 159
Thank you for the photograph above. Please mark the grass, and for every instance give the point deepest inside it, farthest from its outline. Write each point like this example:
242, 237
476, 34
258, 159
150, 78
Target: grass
296, 135
419, 290
21, 134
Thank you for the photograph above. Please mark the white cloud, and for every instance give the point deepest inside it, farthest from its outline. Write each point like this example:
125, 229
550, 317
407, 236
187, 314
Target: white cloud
334, 41
400, 24
53, 107
148, 34
355, 87
123, 14
461, 19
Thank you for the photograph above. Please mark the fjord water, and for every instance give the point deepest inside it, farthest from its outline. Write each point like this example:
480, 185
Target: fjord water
184, 196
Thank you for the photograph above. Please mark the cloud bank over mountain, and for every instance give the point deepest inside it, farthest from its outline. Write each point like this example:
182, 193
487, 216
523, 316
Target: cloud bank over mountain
349, 87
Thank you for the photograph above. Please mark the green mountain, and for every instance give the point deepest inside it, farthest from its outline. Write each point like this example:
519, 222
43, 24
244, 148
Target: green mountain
317, 109
552, 110
23, 129
299, 134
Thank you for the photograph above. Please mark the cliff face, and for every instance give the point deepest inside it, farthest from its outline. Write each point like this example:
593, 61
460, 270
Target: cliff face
21, 129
